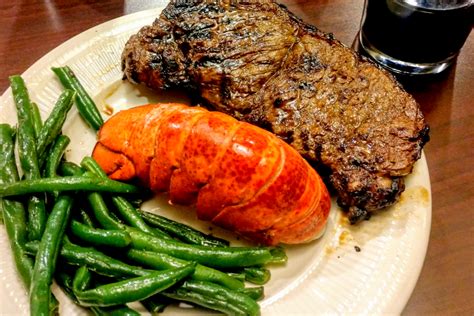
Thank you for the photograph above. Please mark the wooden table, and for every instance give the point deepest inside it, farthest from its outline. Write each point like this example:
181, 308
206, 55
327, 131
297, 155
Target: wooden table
29, 29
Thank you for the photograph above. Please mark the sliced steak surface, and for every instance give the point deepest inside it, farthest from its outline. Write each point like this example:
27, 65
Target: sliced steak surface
259, 63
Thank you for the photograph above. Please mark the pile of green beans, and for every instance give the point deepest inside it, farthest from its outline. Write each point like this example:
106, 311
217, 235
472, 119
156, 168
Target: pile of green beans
72, 224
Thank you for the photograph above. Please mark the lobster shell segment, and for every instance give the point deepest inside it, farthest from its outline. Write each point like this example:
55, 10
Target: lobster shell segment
239, 176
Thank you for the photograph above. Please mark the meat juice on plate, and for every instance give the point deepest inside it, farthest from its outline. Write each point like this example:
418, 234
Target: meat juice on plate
416, 31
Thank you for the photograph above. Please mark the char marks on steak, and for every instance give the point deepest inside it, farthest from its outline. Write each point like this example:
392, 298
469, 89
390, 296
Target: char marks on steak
259, 63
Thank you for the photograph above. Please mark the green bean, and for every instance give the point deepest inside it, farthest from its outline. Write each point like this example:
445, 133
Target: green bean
54, 123
67, 168
156, 304
134, 289
100, 237
255, 293
220, 257
71, 183
222, 293
36, 217
47, 254
55, 155
14, 214
36, 118
101, 212
162, 261
227, 308
85, 105
235, 275
278, 255
238, 302
26, 139
22, 99
257, 275
82, 279
94, 260
182, 232
28, 156
130, 214
91, 165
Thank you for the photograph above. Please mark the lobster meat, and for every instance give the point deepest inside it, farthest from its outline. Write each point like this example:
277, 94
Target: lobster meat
240, 177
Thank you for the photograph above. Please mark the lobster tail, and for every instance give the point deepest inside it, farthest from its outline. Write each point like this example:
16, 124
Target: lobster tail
241, 177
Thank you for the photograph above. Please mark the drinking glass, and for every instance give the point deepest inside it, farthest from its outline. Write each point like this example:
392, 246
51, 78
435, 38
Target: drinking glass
415, 37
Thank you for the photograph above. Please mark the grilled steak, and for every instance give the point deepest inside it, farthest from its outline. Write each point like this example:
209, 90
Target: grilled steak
259, 63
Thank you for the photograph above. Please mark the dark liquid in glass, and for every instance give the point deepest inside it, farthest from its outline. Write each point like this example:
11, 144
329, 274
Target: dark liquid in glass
416, 32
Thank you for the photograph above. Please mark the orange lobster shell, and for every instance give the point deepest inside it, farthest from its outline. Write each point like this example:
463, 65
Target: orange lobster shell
240, 177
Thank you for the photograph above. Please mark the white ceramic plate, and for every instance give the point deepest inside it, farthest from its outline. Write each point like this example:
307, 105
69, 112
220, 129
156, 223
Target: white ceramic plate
327, 276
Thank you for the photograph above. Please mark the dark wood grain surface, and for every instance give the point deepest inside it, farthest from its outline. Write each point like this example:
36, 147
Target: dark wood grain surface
29, 29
